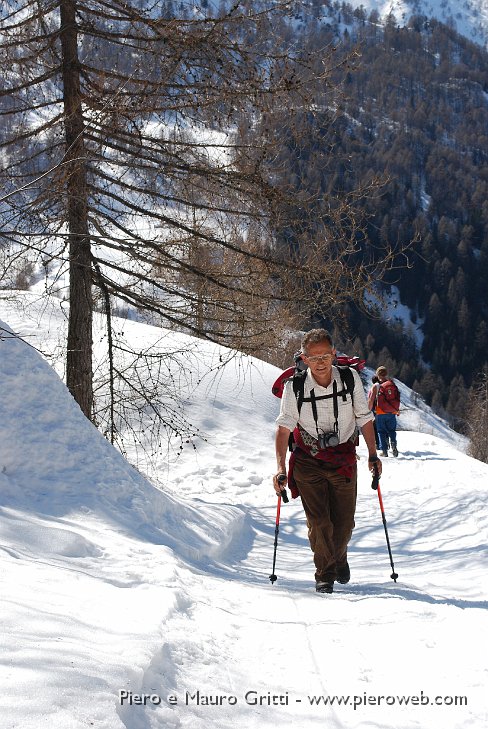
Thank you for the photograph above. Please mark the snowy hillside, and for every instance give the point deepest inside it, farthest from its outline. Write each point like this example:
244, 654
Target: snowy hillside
127, 606
467, 17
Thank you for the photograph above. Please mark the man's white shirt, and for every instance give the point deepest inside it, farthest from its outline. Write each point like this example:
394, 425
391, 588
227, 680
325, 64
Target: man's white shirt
348, 418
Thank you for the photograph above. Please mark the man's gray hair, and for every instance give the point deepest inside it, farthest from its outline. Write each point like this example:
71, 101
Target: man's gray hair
316, 336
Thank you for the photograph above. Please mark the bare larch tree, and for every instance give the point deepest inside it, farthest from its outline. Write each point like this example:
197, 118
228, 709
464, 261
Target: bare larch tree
143, 152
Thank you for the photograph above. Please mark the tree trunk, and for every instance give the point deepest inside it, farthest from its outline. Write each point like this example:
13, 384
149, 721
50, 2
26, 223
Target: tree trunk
79, 372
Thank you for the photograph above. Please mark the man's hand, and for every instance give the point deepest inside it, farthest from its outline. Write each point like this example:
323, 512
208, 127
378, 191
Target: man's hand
279, 482
374, 461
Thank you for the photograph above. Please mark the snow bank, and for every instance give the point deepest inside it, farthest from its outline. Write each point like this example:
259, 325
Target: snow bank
54, 461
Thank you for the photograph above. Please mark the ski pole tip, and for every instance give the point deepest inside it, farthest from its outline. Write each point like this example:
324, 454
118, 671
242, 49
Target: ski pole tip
273, 579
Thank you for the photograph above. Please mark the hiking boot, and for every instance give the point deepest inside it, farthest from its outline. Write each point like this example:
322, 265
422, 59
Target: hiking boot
343, 574
395, 451
384, 454
324, 586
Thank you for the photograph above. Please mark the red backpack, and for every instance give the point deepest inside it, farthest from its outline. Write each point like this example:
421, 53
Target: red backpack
388, 399
293, 373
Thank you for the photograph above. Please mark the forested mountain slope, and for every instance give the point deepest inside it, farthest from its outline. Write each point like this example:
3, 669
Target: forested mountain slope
415, 111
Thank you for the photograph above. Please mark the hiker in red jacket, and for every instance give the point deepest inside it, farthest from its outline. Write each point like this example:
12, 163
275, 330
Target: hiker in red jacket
323, 465
384, 399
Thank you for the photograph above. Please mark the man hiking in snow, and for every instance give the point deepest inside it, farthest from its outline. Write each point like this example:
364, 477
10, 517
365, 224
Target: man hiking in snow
384, 399
323, 464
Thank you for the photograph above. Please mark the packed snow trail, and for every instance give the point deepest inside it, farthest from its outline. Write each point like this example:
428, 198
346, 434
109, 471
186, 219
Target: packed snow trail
127, 606
280, 646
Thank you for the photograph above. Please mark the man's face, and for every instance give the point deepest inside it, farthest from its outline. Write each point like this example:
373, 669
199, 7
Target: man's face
319, 358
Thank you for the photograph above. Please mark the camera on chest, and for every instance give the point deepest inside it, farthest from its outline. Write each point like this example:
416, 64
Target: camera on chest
328, 440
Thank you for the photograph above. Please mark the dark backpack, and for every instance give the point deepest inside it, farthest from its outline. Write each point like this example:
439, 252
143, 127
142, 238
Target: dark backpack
388, 398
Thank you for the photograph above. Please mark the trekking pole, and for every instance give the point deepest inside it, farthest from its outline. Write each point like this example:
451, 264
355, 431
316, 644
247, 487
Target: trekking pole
283, 495
376, 486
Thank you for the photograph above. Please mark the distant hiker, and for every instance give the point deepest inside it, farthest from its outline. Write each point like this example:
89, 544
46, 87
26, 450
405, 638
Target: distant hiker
324, 419
372, 406
384, 400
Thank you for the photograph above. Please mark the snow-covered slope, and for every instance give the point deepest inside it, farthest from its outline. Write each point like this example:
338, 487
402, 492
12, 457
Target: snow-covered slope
467, 17
111, 585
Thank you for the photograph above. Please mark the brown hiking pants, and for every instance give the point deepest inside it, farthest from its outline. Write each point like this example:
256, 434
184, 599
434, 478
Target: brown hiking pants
329, 501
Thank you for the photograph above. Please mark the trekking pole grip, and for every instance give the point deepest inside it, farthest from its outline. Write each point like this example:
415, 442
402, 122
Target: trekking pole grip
281, 481
376, 478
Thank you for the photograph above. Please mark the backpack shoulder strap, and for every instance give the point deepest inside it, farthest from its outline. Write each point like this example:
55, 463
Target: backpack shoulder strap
347, 379
298, 381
